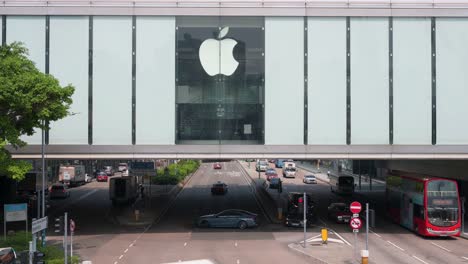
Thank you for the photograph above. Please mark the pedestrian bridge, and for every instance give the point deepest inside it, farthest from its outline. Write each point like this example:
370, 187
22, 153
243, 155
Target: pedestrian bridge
228, 79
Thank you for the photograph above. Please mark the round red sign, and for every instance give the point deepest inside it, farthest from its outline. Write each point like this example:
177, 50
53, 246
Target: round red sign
355, 223
355, 207
72, 225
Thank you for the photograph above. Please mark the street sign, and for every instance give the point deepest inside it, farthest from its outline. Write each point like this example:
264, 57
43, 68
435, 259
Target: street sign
355, 223
16, 212
72, 225
355, 230
355, 215
39, 225
355, 207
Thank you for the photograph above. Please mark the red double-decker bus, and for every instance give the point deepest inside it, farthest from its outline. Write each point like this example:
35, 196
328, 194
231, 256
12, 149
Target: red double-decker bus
429, 206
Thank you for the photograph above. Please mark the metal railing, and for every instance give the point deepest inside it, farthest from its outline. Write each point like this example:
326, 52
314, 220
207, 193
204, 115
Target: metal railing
388, 4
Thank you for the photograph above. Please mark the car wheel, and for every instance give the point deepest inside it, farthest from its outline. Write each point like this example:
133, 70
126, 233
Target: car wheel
242, 225
204, 223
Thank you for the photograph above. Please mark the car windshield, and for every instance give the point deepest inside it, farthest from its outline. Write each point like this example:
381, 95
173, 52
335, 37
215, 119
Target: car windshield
290, 169
310, 176
442, 203
219, 185
57, 187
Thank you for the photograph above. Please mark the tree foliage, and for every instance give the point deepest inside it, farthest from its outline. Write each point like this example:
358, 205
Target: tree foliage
28, 99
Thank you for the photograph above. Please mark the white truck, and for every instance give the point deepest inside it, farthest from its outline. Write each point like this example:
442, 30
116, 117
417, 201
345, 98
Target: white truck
123, 190
72, 175
289, 169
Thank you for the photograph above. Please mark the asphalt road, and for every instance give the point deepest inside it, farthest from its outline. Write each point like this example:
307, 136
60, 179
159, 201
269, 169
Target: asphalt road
174, 236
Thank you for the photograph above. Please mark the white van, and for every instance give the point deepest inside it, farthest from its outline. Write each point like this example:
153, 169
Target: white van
289, 169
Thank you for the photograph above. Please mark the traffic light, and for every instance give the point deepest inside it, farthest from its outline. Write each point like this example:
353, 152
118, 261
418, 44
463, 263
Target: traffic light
59, 225
300, 204
38, 258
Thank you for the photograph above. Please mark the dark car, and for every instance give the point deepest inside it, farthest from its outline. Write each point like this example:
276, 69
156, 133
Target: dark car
59, 190
294, 199
270, 173
219, 188
7, 255
102, 176
217, 166
296, 219
339, 212
229, 218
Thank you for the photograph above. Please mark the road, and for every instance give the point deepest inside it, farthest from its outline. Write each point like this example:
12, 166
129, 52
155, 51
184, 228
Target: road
173, 236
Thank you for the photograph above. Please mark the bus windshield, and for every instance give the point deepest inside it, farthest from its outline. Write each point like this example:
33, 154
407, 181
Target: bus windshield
442, 203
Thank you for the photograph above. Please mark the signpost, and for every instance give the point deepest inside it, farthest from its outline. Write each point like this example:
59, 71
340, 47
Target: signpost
39, 225
13, 213
72, 230
355, 222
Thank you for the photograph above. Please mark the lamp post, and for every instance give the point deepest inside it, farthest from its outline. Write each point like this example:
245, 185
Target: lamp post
43, 180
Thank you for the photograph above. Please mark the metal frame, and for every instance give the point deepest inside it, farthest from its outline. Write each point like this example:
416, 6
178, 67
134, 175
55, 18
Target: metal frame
306, 81
47, 63
90, 81
434, 81
397, 152
4, 21
348, 80
134, 80
390, 80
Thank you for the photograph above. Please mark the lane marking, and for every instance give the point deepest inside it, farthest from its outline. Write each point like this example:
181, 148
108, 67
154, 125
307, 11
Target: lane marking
464, 258
235, 244
121, 256
342, 238
439, 246
395, 246
375, 233
185, 244
115, 262
420, 259
238, 261
125, 251
131, 245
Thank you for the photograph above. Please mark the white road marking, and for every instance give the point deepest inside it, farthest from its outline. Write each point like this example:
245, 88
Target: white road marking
121, 256
439, 246
420, 259
125, 251
238, 261
395, 246
340, 237
131, 245
375, 233
115, 262
464, 258
185, 244
235, 244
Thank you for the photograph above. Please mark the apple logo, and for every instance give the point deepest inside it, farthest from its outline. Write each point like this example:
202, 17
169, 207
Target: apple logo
216, 55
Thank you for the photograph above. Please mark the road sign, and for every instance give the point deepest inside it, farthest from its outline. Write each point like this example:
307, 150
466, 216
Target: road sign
355, 215
72, 225
16, 212
355, 223
355, 207
39, 225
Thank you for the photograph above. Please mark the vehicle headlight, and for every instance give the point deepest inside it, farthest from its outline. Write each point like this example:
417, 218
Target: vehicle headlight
340, 217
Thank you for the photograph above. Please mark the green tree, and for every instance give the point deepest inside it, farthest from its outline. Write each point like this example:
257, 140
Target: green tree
28, 98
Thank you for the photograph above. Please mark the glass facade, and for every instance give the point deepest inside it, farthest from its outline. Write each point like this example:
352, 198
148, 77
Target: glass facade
219, 80
165, 80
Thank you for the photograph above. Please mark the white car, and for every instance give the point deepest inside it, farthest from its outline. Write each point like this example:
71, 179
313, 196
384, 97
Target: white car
309, 179
88, 178
289, 172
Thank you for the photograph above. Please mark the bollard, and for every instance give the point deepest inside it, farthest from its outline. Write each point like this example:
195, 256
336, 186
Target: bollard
364, 256
137, 215
280, 213
324, 233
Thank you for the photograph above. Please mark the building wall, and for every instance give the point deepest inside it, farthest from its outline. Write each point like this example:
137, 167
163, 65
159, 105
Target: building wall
300, 81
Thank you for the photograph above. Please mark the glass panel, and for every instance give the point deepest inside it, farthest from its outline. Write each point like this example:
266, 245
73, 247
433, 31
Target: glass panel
219, 94
69, 63
31, 31
326, 80
369, 81
452, 54
155, 86
112, 80
412, 115
284, 80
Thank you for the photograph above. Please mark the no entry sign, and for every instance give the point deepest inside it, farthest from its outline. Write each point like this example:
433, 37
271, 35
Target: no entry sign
355, 223
355, 207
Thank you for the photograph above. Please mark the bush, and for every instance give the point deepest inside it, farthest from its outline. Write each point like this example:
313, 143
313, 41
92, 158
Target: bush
53, 253
176, 172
